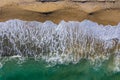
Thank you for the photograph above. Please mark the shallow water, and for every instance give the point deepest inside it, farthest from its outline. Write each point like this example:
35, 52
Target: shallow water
67, 51
40, 70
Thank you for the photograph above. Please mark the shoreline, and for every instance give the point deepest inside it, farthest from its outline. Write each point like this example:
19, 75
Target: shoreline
62, 10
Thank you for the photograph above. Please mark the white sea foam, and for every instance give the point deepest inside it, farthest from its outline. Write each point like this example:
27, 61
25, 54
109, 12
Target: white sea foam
1, 65
63, 43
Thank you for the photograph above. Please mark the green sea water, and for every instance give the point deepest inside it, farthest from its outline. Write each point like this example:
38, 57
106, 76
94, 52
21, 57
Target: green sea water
40, 70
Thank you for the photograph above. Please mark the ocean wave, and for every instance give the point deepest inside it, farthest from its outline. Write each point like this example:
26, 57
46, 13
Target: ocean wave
65, 42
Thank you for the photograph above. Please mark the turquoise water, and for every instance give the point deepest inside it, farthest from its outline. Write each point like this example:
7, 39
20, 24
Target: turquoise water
40, 70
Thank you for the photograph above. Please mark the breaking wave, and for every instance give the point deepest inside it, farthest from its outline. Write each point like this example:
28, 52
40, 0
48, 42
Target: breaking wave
67, 42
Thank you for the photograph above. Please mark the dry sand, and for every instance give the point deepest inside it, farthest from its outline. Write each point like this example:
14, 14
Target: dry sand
101, 12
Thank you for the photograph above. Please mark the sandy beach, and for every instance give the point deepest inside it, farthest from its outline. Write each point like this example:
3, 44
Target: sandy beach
31, 10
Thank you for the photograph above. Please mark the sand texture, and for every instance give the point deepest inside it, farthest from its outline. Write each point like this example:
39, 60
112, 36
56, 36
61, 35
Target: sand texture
101, 12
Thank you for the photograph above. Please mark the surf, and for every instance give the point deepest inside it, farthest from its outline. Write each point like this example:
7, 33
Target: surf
66, 42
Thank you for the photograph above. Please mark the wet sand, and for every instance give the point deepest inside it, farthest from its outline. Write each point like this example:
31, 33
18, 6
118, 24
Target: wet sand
31, 10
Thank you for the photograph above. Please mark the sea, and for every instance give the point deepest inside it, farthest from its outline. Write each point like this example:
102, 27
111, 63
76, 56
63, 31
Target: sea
72, 50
